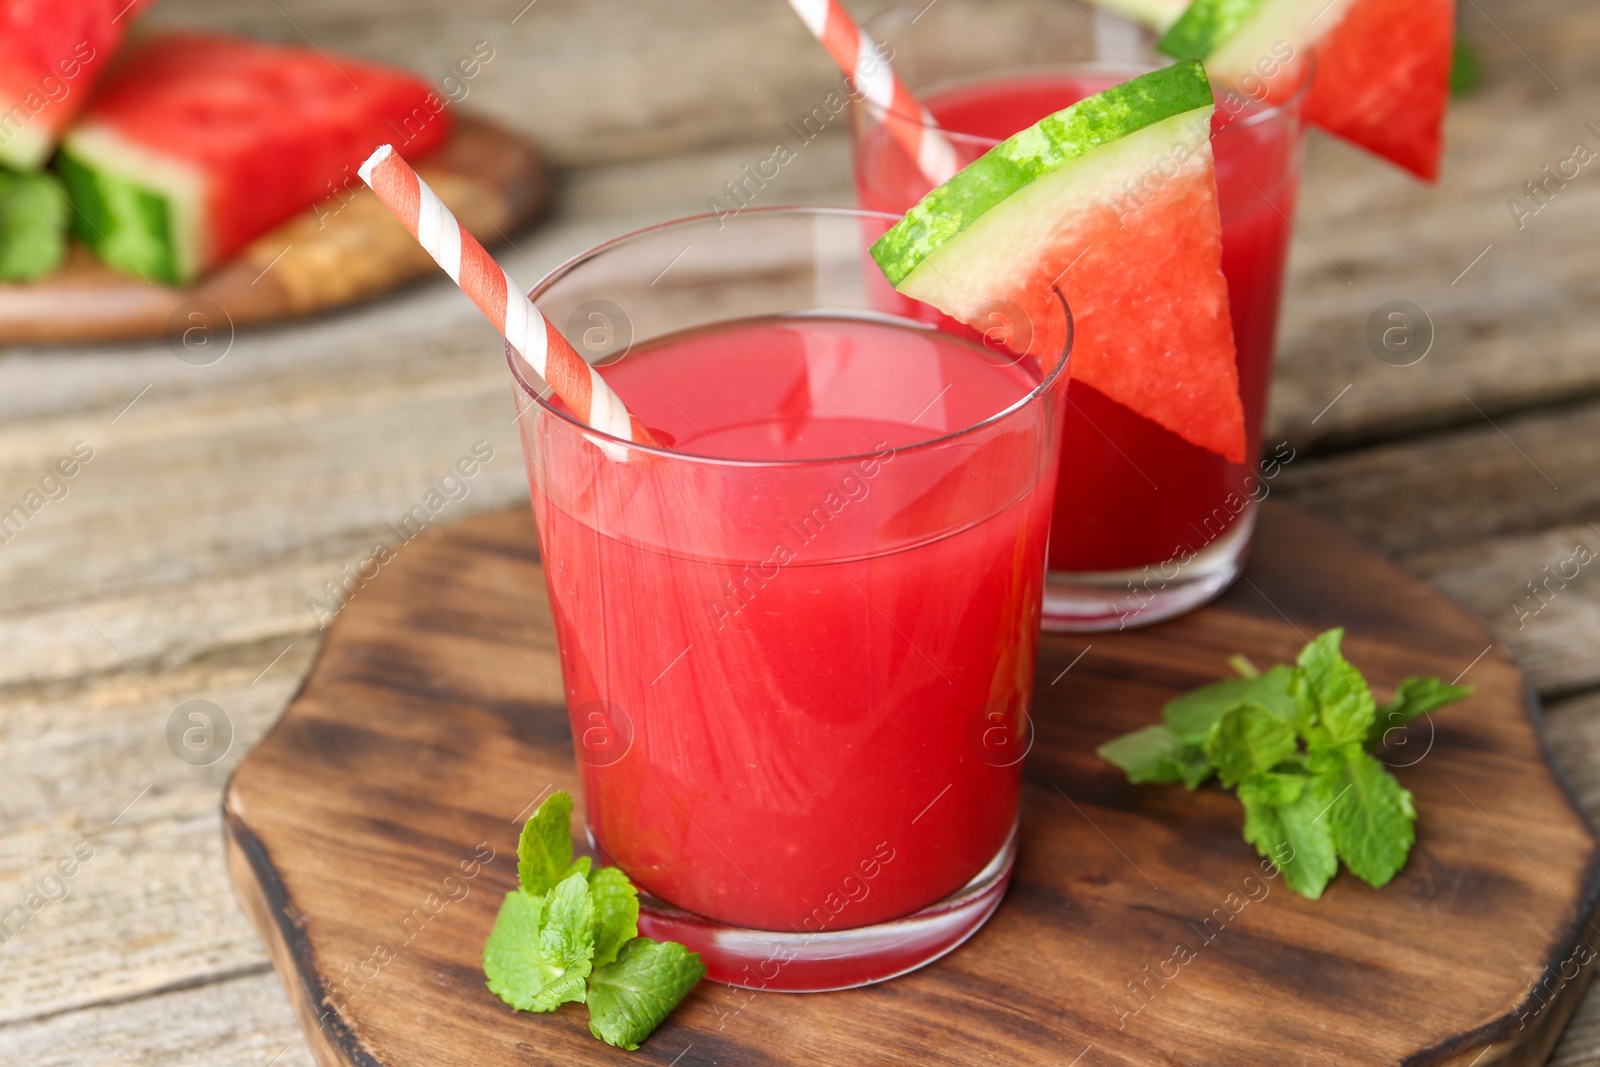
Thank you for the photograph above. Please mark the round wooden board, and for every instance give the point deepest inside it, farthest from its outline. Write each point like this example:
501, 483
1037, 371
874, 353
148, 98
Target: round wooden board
433, 720
341, 251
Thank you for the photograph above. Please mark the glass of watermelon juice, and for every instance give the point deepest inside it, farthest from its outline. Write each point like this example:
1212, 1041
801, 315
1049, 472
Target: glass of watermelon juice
798, 647
1146, 525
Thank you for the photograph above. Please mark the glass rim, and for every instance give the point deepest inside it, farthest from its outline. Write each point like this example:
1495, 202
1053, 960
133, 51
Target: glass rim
544, 284
1266, 113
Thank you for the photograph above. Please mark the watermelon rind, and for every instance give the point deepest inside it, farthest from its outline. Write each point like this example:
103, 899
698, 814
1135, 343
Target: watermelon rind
33, 225
1088, 150
1157, 14
138, 210
1205, 24
1241, 38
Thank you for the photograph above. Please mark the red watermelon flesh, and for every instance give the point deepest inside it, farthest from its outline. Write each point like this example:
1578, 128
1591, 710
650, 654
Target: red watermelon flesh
51, 54
1150, 321
255, 132
1169, 357
1383, 80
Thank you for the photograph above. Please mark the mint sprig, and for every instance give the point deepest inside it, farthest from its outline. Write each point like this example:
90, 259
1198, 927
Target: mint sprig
1294, 742
570, 934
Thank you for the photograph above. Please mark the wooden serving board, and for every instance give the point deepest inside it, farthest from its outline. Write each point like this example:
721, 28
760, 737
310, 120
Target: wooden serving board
347, 249
432, 721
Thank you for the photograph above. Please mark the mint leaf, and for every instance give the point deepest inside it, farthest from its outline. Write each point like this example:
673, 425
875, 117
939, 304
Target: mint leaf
1372, 818
1248, 740
1156, 755
34, 214
1193, 714
544, 851
1273, 788
1274, 691
538, 953
567, 931
1334, 692
629, 998
511, 961
616, 912
1288, 825
1415, 698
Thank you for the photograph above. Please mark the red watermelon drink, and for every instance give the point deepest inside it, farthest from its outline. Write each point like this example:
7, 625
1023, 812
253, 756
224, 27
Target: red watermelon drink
797, 648
1148, 522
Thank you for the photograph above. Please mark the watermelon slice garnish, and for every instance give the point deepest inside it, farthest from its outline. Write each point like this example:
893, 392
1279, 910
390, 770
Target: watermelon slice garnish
1070, 206
1382, 66
51, 54
198, 143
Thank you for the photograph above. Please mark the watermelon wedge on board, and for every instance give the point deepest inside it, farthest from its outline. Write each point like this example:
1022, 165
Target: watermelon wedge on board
51, 54
198, 143
1382, 66
1113, 202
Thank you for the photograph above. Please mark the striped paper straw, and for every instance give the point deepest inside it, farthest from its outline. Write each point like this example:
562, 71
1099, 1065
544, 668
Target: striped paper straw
856, 55
471, 267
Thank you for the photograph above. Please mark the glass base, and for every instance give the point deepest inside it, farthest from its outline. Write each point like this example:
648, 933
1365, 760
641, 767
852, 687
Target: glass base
780, 962
1088, 601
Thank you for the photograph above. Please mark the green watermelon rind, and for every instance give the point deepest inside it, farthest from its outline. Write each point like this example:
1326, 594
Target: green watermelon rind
34, 215
1237, 38
1157, 14
136, 209
1067, 139
1205, 25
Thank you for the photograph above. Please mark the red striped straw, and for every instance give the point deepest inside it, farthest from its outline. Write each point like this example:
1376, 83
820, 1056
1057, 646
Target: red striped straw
857, 56
471, 267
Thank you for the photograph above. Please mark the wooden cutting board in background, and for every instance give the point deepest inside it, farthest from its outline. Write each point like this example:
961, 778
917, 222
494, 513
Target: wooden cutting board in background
433, 718
345, 250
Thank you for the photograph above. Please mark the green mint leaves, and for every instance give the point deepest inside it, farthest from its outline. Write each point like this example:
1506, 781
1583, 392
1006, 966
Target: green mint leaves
1294, 742
570, 934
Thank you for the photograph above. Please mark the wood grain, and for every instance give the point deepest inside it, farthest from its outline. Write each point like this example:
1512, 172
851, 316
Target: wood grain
208, 519
346, 249
426, 728
1501, 514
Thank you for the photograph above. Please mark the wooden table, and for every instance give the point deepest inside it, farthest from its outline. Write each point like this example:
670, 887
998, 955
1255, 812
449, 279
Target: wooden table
183, 559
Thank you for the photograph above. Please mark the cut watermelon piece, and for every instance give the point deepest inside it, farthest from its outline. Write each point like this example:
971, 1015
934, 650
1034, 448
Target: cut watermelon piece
51, 54
1113, 202
197, 143
1382, 66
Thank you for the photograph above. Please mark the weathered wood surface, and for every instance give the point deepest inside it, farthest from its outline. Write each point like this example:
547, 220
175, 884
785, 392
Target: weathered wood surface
217, 504
428, 725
